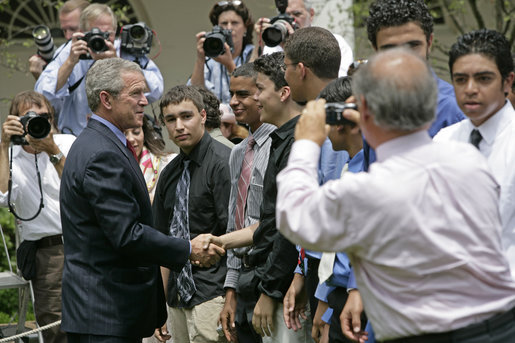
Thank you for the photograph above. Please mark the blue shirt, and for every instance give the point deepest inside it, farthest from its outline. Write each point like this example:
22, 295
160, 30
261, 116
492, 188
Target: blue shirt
74, 104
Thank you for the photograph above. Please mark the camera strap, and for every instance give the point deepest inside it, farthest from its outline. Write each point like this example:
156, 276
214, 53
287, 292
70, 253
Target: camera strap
10, 184
77, 84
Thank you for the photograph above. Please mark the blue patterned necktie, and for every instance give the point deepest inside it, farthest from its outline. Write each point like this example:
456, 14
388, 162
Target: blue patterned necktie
180, 228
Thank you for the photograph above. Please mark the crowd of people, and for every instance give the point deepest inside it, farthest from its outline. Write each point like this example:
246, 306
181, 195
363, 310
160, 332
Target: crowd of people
313, 199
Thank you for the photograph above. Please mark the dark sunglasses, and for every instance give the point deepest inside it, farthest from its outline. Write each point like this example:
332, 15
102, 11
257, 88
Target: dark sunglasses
227, 3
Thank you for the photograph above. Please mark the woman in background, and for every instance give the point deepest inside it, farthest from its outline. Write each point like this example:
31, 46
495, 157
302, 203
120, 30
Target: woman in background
150, 149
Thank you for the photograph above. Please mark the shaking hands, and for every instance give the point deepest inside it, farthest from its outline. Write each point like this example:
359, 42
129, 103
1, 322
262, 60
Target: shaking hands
206, 250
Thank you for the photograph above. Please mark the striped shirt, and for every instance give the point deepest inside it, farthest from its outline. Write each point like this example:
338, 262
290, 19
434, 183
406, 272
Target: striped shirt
254, 195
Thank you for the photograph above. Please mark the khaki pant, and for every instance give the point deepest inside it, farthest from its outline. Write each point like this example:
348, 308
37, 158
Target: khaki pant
282, 334
47, 291
197, 324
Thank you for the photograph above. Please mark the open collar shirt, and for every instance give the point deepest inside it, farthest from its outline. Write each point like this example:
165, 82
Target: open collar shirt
25, 191
425, 245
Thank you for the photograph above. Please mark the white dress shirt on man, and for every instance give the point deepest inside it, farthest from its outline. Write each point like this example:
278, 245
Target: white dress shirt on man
498, 146
422, 231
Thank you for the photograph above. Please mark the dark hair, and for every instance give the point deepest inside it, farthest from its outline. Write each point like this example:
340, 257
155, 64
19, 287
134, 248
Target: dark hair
178, 94
486, 42
152, 139
27, 99
273, 67
337, 90
240, 10
388, 13
317, 49
212, 107
245, 70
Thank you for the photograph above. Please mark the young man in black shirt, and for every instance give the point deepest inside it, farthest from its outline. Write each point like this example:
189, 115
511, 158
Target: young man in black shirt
191, 199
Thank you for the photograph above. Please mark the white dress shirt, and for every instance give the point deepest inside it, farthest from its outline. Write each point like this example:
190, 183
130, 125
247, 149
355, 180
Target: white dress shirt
424, 243
498, 146
25, 191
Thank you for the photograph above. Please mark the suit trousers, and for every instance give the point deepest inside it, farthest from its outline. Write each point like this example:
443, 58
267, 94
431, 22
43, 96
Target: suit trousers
47, 291
84, 338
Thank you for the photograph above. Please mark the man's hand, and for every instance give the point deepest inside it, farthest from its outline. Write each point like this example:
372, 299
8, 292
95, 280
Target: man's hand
350, 318
202, 257
263, 318
318, 324
79, 47
349, 114
210, 239
36, 65
46, 144
228, 315
311, 124
109, 53
11, 126
162, 334
295, 302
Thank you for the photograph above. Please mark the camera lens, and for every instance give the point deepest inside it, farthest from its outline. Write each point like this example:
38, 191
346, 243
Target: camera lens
38, 127
44, 42
138, 33
275, 34
213, 46
41, 33
97, 44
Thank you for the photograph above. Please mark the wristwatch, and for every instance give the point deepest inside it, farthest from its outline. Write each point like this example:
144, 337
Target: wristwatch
56, 158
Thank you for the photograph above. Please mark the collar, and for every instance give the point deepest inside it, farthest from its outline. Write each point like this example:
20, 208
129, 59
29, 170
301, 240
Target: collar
496, 123
402, 144
199, 151
286, 129
119, 134
262, 133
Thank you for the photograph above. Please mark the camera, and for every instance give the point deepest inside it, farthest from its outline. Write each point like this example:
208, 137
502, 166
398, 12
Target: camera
44, 42
334, 115
96, 42
277, 33
136, 39
215, 40
34, 125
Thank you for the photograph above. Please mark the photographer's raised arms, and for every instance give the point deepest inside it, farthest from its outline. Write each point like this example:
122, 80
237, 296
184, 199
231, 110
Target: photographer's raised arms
62, 81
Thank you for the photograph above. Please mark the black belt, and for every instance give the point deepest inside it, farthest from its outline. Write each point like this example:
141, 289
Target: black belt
245, 261
474, 330
50, 241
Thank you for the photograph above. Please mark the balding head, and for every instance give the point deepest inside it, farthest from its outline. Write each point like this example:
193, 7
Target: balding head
399, 89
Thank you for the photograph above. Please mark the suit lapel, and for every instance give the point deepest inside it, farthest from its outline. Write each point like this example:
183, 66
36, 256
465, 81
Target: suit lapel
106, 132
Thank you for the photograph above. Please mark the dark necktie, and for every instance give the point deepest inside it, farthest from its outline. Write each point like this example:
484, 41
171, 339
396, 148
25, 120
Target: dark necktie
243, 183
180, 228
131, 148
475, 138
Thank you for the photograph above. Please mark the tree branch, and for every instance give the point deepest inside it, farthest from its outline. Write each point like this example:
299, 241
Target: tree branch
446, 6
477, 14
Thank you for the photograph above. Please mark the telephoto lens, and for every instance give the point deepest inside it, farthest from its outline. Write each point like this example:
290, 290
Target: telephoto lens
44, 42
215, 40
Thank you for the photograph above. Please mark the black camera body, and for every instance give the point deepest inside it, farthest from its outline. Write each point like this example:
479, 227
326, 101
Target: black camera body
96, 42
277, 33
334, 113
136, 39
34, 125
215, 40
44, 42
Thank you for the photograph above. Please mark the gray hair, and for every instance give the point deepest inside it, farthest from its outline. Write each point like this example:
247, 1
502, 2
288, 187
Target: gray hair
106, 75
400, 98
308, 4
93, 12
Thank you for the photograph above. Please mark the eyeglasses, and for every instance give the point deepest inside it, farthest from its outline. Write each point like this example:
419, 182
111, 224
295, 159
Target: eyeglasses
230, 2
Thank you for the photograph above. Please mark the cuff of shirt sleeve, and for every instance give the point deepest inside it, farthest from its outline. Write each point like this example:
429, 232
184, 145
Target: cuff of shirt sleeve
323, 291
231, 278
307, 151
326, 317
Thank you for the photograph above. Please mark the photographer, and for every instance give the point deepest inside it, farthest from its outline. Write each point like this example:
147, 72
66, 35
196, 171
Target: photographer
69, 15
214, 72
301, 13
63, 79
44, 230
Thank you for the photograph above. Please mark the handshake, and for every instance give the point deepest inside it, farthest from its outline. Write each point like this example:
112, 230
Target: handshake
206, 250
